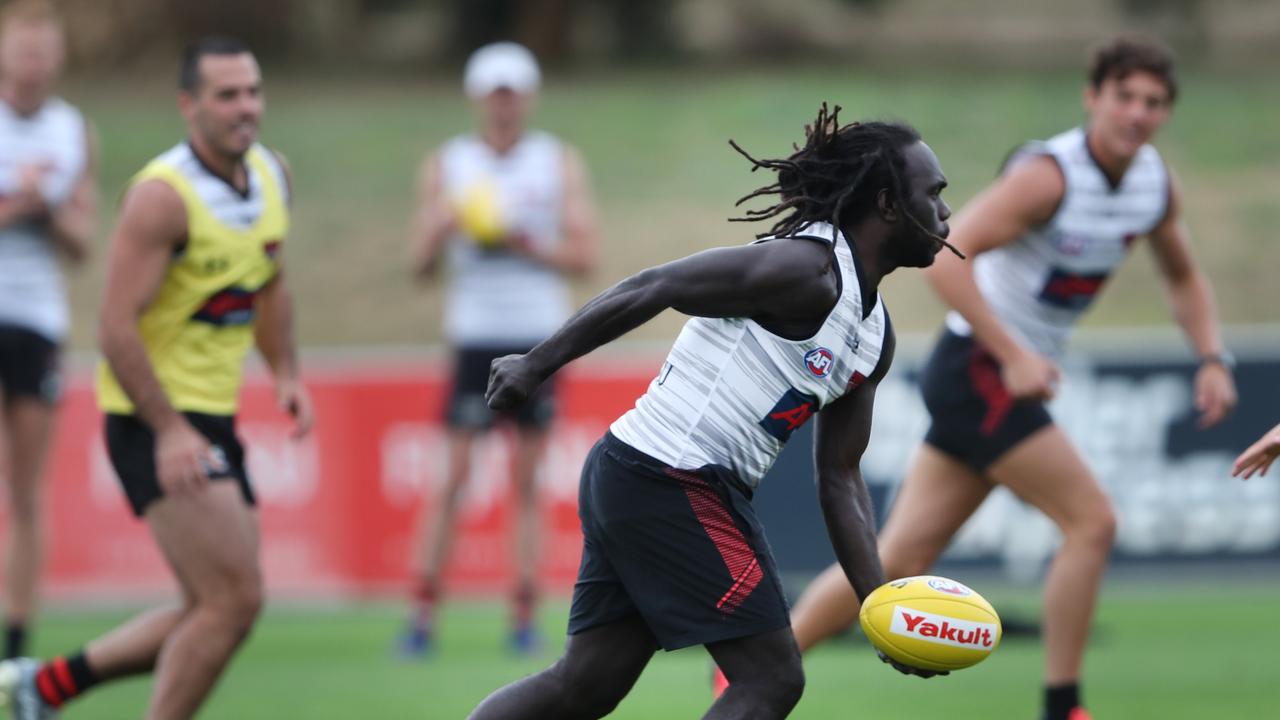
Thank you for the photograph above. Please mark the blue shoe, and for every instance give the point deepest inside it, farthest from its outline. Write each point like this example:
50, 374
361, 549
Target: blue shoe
525, 640
415, 644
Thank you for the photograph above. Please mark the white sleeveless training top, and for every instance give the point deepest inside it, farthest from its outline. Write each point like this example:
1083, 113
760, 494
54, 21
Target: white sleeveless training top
497, 298
31, 288
731, 393
1041, 284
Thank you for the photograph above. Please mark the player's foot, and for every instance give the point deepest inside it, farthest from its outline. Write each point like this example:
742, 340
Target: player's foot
719, 683
525, 640
415, 643
18, 691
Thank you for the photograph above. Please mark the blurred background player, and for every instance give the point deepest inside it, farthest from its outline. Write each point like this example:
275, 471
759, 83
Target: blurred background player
783, 329
512, 208
1045, 237
48, 207
194, 279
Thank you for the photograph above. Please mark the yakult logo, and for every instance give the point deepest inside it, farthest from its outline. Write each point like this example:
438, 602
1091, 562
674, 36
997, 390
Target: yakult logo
943, 630
819, 361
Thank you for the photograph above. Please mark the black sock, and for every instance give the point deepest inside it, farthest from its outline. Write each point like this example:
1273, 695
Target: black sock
81, 673
15, 640
1060, 700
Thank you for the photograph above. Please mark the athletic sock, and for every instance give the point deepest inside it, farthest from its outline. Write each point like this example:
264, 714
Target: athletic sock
15, 640
62, 679
426, 593
1060, 700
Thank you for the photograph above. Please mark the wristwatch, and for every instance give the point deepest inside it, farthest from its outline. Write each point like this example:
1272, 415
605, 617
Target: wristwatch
1222, 357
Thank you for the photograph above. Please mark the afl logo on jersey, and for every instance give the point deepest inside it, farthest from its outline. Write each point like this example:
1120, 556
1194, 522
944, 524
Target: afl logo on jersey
819, 361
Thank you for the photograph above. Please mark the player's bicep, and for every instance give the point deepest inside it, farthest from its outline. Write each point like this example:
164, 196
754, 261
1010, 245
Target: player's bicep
1026, 195
746, 280
151, 226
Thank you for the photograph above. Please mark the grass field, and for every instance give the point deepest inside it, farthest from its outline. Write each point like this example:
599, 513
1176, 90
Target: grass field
1167, 650
666, 179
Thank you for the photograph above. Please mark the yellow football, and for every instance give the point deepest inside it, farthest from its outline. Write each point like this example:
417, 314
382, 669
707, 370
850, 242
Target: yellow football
480, 214
931, 623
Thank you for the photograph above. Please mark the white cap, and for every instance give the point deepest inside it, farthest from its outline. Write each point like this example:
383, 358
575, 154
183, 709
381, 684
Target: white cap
501, 65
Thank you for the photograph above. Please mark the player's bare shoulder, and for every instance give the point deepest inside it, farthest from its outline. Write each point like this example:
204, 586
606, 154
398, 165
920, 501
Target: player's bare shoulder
152, 212
1033, 186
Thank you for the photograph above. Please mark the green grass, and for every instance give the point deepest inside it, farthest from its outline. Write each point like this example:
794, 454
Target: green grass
1167, 651
666, 179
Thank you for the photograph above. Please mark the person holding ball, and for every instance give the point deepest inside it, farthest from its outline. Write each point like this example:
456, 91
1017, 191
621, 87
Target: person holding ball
511, 209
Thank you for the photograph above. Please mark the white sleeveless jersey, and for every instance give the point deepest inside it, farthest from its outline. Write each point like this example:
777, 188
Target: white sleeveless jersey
31, 288
495, 297
224, 201
1041, 284
731, 393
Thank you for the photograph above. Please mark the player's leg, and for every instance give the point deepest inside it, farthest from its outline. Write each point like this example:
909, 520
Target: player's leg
938, 494
531, 445
437, 534
1046, 471
765, 676
597, 670
27, 424
210, 539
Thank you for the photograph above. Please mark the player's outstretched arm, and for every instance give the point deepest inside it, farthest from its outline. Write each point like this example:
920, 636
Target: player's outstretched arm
789, 283
1259, 456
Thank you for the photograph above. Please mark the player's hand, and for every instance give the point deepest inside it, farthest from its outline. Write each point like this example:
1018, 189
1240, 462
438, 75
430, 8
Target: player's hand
1215, 393
511, 382
293, 398
1031, 376
26, 201
1259, 456
907, 669
185, 460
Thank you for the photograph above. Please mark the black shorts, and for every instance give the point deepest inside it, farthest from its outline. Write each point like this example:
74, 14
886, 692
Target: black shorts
681, 548
28, 365
975, 420
132, 448
467, 409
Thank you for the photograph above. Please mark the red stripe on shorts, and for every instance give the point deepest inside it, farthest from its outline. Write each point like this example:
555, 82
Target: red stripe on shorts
739, 558
984, 373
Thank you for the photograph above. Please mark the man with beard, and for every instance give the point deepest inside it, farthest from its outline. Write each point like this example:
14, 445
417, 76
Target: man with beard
194, 279
783, 329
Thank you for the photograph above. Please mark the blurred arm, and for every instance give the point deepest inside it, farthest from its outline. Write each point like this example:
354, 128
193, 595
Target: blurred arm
1191, 299
74, 222
840, 438
153, 221
434, 220
577, 253
1025, 196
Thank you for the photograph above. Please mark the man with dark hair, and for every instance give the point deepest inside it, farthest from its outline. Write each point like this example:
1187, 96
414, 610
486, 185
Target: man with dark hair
783, 329
1046, 235
194, 280
48, 207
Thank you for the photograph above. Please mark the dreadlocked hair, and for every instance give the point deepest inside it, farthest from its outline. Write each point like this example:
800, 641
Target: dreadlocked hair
836, 176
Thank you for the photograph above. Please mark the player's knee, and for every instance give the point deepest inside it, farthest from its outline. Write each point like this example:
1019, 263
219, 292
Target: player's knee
1097, 528
238, 604
788, 684
583, 693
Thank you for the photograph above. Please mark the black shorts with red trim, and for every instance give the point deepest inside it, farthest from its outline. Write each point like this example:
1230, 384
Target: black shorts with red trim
682, 548
975, 420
